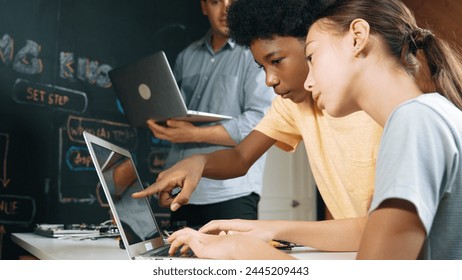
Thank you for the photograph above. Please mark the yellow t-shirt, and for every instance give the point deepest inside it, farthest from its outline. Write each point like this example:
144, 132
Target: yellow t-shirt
341, 151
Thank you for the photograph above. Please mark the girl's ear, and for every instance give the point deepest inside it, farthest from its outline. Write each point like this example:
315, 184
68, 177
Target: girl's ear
359, 30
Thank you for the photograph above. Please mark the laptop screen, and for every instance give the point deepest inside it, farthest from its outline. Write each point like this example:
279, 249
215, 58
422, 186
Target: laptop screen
121, 179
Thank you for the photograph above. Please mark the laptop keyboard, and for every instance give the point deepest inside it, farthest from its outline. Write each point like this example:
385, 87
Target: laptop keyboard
163, 252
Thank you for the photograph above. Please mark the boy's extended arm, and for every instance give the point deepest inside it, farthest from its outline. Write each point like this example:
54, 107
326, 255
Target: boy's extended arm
232, 163
222, 164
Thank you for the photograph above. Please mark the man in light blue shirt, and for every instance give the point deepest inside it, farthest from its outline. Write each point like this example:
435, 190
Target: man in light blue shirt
218, 76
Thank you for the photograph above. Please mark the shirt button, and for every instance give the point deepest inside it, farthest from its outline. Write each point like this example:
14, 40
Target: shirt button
212, 60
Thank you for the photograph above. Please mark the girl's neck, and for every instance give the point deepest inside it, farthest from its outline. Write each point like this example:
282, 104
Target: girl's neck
387, 91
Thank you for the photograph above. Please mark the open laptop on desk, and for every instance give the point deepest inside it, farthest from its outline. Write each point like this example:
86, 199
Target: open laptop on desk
119, 178
147, 89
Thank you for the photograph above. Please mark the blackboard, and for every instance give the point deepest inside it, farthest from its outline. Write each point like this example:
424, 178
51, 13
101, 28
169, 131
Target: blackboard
54, 60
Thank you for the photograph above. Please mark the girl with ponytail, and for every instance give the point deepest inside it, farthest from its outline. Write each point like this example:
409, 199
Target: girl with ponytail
369, 55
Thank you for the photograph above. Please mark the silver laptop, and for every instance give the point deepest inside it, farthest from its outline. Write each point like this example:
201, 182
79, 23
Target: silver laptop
141, 235
147, 89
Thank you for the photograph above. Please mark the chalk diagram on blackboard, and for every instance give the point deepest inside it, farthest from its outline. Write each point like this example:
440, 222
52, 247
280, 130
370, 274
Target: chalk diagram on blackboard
27, 59
52, 96
118, 133
77, 177
4, 143
34, 64
14, 209
6, 49
17, 209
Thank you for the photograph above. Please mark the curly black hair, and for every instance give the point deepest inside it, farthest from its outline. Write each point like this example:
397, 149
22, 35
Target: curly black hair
249, 20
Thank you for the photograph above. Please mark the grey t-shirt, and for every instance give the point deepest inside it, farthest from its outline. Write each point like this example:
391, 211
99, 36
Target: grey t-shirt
420, 161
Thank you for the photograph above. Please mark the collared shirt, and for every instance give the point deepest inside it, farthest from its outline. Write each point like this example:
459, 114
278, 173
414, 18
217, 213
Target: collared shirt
227, 82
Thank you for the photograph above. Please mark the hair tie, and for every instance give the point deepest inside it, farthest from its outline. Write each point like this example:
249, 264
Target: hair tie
418, 38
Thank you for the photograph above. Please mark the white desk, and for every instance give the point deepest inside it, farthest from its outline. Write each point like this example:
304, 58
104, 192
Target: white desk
306, 253
47, 248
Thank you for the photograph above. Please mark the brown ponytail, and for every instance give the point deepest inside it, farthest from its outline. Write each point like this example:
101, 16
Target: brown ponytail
445, 67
